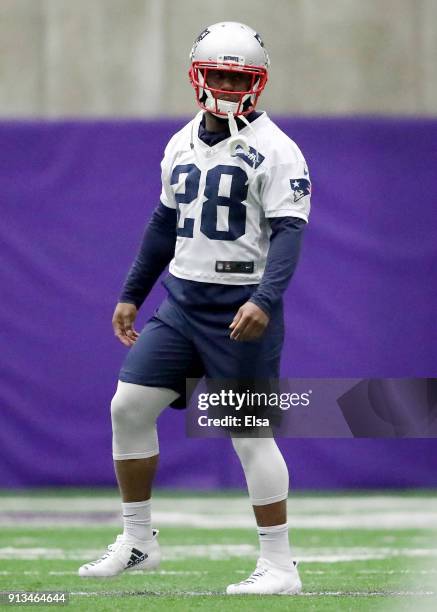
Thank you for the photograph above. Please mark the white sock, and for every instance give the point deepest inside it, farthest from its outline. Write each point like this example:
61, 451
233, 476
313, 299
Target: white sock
136, 519
274, 545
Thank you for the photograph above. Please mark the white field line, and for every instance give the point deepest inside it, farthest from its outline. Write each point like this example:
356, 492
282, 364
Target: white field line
172, 553
131, 572
369, 594
336, 512
227, 505
228, 551
304, 571
377, 572
374, 520
219, 593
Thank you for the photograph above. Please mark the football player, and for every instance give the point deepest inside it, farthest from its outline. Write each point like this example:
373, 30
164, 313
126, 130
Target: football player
235, 199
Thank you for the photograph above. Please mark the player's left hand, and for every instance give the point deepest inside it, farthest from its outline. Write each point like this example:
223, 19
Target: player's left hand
249, 323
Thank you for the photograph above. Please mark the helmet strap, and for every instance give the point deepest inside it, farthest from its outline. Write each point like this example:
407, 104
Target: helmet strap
236, 141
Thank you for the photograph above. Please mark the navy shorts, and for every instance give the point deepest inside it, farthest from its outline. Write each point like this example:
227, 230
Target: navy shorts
179, 343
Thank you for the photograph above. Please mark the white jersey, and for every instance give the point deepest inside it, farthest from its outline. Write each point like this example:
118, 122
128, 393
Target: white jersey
223, 201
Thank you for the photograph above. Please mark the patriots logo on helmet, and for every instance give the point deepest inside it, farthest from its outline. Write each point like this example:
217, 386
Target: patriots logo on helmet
259, 39
202, 35
300, 187
199, 39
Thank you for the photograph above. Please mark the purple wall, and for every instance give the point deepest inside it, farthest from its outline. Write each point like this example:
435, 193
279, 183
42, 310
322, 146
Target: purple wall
74, 198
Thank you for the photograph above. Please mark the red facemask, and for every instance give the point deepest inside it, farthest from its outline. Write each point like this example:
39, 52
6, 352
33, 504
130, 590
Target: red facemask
210, 98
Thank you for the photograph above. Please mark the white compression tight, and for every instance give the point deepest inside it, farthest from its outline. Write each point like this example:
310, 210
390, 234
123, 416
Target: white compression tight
134, 410
265, 469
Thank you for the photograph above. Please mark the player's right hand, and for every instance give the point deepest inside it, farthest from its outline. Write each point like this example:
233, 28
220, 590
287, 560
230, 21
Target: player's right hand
123, 323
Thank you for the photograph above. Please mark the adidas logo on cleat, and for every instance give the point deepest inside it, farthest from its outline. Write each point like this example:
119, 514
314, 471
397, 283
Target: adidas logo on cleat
124, 555
136, 557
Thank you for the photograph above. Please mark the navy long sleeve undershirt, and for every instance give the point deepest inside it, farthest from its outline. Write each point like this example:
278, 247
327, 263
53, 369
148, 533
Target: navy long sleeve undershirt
157, 250
282, 258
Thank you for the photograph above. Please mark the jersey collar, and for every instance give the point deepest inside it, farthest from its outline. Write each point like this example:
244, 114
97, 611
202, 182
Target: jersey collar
213, 138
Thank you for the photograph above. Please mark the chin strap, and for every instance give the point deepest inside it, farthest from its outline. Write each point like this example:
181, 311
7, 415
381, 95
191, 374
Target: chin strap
236, 140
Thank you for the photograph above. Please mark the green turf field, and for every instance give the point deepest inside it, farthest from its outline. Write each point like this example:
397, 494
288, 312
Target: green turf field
370, 551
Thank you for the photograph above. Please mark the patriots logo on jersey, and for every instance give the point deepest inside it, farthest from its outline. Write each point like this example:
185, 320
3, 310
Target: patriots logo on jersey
300, 187
253, 158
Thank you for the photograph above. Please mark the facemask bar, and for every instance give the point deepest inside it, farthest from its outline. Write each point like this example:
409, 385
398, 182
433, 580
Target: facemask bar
208, 97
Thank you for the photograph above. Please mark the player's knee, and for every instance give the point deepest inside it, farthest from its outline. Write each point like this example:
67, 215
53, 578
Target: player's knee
249, 448
137, 406
244, 447
255, 452
119, 409
265, 469
125, 409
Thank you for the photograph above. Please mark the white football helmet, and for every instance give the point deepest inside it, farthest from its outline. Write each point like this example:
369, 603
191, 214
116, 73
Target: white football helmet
228, 46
